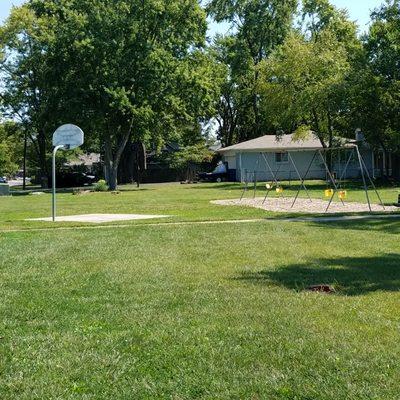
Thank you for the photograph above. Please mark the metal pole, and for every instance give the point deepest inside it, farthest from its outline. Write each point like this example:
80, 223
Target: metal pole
298, 174
270, 169
274, 175
304, 178
341, 177
53, 183
255, 175
255, 184
363, 178
245, 184
240, 166
331, 178
372, 183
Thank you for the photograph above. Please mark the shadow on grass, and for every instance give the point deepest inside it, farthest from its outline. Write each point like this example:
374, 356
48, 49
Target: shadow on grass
349, 275
213, 185
135, 189
378, 225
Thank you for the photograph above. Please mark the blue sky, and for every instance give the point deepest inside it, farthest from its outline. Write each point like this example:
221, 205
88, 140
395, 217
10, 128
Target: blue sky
359, 10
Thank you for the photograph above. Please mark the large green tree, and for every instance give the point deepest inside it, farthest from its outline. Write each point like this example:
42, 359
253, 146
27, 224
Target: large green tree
306, 82
257, 28
38, 66
28, 92
127, 69
377, 85
302, 86
11, 148
140, 68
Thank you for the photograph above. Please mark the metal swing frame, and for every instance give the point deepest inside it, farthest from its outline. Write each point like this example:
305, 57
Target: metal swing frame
317, 152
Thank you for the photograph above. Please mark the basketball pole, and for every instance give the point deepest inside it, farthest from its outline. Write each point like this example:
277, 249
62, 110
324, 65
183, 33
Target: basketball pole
53, 181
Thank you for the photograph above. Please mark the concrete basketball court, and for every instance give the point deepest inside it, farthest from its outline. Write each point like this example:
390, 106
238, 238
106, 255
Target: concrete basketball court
99, 218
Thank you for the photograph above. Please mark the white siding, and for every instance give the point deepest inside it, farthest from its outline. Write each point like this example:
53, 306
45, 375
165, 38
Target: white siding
253, 163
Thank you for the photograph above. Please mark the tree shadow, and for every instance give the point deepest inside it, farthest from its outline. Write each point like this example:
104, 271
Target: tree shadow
219, 186
349, 275
135, 189
386, 225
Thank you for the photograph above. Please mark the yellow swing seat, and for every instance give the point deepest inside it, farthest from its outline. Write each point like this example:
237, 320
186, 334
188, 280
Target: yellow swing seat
279, 189
328, 192
342, 194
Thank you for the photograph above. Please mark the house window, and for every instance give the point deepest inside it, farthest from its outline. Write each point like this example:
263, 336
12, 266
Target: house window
281, 158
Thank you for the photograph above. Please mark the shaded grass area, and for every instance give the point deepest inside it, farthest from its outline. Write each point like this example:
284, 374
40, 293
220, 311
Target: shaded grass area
181, 202
391, 226
200, 312
349, 275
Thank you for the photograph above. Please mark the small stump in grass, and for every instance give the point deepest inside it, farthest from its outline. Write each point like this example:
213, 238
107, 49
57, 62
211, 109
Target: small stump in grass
321, 288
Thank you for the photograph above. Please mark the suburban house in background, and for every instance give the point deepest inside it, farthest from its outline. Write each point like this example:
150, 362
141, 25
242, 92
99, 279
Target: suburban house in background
90, 162
247, 161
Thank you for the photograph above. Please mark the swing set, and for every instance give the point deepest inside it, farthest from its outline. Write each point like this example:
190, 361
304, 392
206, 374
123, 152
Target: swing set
336, 186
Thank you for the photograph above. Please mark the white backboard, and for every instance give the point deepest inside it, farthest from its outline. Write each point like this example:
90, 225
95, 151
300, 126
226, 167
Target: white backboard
68, 135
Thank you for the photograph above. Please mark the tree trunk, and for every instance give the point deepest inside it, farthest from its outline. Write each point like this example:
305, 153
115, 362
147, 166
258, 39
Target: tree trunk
111, 171
387, 163
112, 161
24, 162
257, 128
44, 173
138, 177
113, 178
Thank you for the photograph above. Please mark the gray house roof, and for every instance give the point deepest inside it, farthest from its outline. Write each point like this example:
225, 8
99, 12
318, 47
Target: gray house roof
274, 143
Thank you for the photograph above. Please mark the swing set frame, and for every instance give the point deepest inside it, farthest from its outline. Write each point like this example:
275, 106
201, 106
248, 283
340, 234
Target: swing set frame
354, 151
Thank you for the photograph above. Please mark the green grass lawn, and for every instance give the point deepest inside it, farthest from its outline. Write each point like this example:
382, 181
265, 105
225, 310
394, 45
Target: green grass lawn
181, 202
196, 311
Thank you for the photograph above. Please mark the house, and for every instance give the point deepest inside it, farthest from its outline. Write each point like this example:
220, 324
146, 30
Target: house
287, 158
89, 161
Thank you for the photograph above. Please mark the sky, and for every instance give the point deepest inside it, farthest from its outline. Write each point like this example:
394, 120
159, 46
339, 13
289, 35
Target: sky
359, 11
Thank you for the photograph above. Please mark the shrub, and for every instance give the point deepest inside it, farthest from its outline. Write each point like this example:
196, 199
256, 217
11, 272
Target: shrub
101, 186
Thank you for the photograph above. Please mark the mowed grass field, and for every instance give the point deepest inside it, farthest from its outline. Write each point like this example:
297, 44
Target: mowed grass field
196, 311
179, 202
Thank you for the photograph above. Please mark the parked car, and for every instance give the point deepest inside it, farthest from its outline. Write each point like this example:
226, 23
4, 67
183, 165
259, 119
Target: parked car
219, 174
3, 179
68, 179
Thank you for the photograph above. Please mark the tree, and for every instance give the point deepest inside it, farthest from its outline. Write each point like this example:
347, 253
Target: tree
258, 26
302, 84
122, 70
377, 88
144, 76
228, 106
10, 148
320, 15
23, 72
189, 155
307, 81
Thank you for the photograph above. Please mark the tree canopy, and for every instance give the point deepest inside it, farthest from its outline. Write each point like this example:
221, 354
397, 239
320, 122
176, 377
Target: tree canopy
121, 69
142, 71
377, 105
